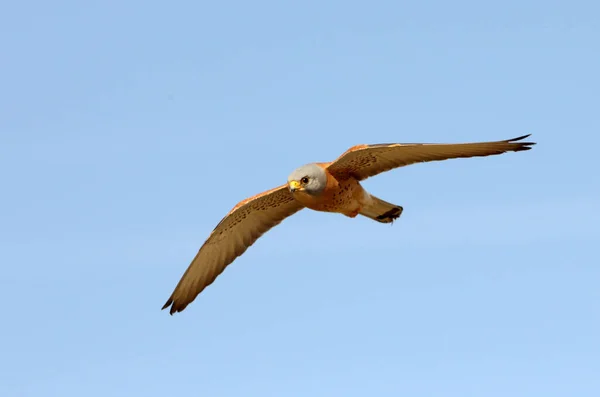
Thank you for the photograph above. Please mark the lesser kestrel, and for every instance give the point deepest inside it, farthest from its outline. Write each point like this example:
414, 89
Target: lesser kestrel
330, 187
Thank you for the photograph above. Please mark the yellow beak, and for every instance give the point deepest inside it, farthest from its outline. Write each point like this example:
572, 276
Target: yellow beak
295, 185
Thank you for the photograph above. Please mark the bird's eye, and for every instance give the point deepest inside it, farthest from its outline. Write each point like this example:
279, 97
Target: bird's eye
304, 180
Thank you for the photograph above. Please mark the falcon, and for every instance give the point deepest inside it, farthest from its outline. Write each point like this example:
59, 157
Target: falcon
329, 187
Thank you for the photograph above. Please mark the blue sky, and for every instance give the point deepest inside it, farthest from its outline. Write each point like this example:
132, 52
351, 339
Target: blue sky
128, 129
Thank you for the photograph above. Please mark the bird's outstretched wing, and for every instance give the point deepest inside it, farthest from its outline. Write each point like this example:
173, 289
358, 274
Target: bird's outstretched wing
240, 228
364, 161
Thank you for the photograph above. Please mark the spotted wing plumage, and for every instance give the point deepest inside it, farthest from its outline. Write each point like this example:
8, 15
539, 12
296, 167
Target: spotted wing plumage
364, 161
238, 230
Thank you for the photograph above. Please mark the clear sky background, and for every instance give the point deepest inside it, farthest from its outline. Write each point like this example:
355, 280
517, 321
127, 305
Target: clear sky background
129, 128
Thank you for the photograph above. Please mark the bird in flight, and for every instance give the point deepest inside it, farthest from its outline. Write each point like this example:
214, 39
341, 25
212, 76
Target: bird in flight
330, 187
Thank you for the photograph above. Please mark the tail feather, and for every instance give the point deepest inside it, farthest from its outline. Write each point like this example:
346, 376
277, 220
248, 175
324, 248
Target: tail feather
381, 211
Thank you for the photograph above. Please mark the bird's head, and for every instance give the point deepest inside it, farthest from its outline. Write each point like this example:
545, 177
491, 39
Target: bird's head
309, 179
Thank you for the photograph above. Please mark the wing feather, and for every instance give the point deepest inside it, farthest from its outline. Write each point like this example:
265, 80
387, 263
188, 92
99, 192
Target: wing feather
364, 161
237, 231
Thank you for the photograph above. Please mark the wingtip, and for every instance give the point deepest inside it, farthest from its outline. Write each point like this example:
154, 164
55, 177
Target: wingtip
175, 307
167, 304
521, 145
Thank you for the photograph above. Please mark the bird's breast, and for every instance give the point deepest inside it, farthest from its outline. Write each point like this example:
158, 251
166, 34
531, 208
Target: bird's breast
338, 196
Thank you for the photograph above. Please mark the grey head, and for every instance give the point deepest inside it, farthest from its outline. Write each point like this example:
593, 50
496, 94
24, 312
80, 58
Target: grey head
309, 178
